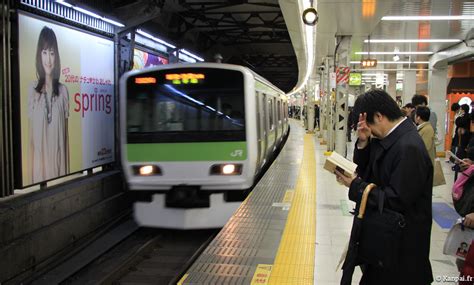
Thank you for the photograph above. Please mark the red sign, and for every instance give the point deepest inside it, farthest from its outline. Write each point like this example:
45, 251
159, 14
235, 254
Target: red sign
342, 75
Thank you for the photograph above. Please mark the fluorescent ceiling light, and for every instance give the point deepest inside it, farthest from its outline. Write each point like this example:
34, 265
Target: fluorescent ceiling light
64, 3
309, 49
401, 75
427, 18
155, 39
392, 52
191, 54
87, 12
113, 22
395, 62
414, 41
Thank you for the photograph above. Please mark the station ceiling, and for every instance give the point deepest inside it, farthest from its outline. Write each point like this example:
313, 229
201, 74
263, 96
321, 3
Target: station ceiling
361, 18
254, 33
249, 33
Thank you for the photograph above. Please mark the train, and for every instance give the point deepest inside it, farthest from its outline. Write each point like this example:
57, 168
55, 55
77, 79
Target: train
194, 139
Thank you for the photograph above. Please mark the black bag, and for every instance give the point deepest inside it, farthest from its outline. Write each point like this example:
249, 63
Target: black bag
381, 236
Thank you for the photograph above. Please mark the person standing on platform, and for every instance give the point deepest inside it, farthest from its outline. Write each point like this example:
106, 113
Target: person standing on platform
420, 100
409, 109
456, 108
316, 116
390, 153
463, 125
425, 130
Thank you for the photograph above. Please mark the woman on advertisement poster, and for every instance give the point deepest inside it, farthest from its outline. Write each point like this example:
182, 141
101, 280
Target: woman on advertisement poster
48, 112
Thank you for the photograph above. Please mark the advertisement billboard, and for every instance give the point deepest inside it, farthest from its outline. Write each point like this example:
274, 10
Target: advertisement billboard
66, 100
143, 59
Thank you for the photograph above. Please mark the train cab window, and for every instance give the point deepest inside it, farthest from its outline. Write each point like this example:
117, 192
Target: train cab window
186, 105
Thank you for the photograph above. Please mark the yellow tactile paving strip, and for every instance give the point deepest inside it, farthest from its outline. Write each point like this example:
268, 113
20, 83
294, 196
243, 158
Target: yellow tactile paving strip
294, 263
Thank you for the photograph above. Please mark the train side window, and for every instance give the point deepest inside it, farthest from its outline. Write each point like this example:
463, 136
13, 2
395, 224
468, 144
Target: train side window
270, 113
279, 111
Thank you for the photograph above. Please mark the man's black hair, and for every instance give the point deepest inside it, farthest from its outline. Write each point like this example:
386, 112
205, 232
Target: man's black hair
455, 107
466, 108
409, 105
377, 100
417, 100
423, 113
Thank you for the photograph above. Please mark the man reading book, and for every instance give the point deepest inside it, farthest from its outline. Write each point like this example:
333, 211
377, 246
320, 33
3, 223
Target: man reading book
390, 153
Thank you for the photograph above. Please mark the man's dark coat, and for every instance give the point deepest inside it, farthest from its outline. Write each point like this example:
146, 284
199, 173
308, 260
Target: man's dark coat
401, 166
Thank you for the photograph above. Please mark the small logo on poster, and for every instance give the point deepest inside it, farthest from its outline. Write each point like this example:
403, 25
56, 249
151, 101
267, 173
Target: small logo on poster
103, 155
104, 151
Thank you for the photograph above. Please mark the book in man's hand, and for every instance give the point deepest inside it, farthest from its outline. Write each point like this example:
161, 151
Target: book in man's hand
337, 162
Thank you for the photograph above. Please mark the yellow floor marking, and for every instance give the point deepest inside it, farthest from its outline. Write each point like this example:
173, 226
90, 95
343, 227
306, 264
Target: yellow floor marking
294, 262
440, 154
261, 275
181, 281
327, 153
288, 196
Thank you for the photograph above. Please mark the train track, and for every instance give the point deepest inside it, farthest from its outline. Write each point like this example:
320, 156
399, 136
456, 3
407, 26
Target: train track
149, 256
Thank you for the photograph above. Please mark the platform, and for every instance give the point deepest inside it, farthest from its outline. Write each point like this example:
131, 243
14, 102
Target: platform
256, 242
282, 234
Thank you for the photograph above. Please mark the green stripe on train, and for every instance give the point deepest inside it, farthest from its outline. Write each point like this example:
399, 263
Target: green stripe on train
187, 151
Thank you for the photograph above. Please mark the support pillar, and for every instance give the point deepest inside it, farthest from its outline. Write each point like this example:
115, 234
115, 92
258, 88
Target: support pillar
392, 84
342, 97
323, 112
409, 86
330, 100
437, 88
310, 106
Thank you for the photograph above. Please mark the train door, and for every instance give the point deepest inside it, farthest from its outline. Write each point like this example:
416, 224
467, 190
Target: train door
277, 119
271, 123
280, 120
260, 128
265, 125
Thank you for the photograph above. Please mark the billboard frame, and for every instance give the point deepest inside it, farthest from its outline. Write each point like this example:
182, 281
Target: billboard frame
16, 98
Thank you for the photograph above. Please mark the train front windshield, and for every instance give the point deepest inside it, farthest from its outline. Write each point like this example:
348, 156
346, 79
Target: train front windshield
186, 105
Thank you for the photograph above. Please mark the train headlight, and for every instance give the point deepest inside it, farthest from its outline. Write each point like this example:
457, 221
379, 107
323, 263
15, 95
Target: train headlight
146, 170
226, 169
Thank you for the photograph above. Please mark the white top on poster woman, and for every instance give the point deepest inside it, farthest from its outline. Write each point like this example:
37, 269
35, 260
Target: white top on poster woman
48, 112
